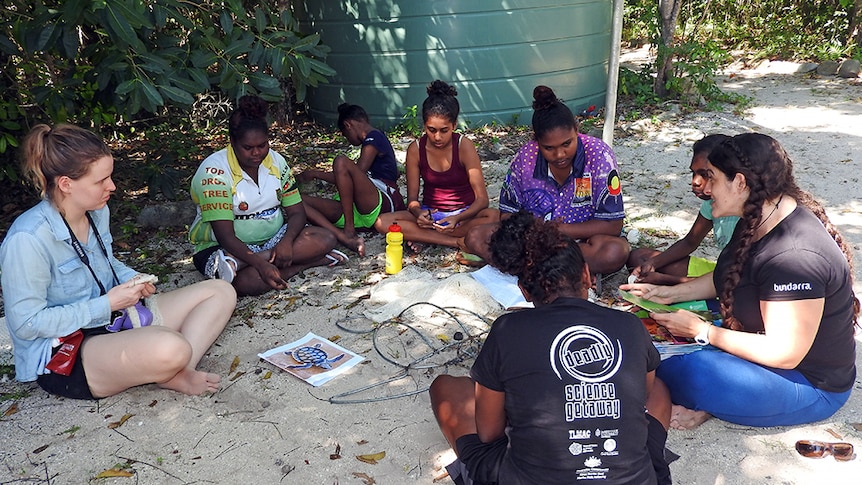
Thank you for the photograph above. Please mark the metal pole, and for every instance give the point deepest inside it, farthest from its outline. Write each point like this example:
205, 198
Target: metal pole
613, 73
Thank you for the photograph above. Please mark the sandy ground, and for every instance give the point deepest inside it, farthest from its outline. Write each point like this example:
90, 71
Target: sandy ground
267, 427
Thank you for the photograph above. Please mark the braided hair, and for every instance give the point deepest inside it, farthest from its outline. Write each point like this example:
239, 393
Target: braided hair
547, 263
708, 143
441, 102
768, 173
249, 115
550, 113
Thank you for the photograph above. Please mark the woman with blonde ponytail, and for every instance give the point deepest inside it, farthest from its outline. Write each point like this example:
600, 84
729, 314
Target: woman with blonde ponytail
62, 286
785, 288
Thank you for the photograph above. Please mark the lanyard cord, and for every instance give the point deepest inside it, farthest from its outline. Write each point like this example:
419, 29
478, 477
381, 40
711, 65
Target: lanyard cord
83, 255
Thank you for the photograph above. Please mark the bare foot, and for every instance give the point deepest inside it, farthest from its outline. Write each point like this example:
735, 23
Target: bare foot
684, 418
416, 247
355, 243
193, 382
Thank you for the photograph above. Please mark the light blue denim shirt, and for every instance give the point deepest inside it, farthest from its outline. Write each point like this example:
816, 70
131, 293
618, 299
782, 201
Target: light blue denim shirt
47, 291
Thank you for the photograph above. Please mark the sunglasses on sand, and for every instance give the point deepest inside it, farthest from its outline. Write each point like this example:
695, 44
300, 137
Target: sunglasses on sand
819, 449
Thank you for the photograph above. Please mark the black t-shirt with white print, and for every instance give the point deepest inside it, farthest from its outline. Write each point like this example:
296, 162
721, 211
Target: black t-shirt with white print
799, 260
574, 375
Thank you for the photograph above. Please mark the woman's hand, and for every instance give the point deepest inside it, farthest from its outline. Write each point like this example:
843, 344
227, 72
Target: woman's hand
282, 254
271, 275
647, 291
447, 224
148, 290
424, 220
646, 267
127, 294
307, 176
681, 323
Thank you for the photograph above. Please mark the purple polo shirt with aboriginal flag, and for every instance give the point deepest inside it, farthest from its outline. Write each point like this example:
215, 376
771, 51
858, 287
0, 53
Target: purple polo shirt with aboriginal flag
592, 190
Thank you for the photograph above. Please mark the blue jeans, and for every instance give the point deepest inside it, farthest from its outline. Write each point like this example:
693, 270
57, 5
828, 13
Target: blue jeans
741, 392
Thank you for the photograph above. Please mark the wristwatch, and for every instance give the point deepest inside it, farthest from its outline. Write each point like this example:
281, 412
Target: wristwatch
702, 338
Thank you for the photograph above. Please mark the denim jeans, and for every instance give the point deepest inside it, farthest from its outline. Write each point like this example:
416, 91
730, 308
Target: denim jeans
738, 391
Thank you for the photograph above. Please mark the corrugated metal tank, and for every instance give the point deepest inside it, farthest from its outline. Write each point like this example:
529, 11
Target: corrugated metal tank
494, 52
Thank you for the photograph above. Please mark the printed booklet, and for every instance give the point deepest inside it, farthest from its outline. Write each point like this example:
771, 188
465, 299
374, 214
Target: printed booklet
312, 358
666, 343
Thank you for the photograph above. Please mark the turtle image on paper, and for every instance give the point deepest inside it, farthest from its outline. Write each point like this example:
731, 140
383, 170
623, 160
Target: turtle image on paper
307, 357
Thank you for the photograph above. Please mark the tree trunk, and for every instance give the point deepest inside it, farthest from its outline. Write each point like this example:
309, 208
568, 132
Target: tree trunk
854, 33
668, 11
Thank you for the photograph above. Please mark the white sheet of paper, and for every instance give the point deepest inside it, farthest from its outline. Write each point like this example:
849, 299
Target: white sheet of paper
502, 287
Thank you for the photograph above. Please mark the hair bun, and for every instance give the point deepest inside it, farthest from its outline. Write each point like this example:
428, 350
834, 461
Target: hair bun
544, 98
439, 87
251, 106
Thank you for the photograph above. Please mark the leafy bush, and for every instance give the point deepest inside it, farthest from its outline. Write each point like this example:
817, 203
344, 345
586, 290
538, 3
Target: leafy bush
707, 29
411, 123
96, 62
787, 29
637, 86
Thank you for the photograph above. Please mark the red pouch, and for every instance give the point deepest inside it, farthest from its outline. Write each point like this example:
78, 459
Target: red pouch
64, 359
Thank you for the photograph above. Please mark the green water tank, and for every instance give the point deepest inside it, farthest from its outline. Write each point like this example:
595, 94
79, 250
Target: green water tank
494, 52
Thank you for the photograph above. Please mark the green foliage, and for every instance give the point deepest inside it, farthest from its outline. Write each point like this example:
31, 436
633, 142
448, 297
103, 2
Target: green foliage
637, 86
167, 146
14, 395
640, 21
96, 62
787, 29
694, 73
708, 29
411, 124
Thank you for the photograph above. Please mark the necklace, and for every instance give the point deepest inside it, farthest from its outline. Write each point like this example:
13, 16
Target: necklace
772, 212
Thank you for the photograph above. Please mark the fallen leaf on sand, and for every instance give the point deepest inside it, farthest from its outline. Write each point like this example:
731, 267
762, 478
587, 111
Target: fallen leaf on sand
153, 403
372, 458
365, 478
443, 338
117, 424
237, 376
337, 454
268, 374
113, 472
11, 410
833, 433
40, 449
234, 365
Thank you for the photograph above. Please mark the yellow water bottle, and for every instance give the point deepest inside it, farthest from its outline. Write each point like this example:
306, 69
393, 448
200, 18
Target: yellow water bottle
394, 249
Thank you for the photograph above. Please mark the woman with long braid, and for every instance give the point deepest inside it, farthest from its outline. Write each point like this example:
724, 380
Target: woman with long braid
785, 287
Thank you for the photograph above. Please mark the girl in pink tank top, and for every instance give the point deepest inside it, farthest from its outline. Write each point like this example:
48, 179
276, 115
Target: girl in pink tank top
446, 164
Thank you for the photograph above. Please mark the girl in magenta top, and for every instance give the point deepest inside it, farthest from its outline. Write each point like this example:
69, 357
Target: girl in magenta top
454, 195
